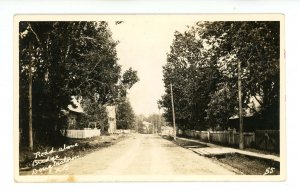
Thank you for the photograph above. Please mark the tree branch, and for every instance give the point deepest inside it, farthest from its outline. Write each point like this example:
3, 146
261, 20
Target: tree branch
35, 34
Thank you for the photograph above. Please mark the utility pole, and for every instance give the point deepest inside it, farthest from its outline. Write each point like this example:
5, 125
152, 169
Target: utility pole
241, 145
156, 119
173, 113
159, 119
30, 139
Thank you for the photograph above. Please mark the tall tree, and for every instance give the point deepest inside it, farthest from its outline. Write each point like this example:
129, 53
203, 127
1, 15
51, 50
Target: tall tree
93, 112
193, 74
222, 106
125, 115
67, 59
255, 45
202, 65
128, 79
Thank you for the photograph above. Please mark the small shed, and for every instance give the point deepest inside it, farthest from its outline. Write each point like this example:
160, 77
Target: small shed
74, 110
72, 131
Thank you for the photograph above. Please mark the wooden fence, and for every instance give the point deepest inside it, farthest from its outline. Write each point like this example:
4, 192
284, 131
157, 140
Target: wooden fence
165, 130
123, 131
81, 134
263, 139
267, 140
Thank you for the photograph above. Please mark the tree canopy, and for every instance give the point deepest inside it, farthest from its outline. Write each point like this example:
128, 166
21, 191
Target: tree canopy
125, 115
202, 67
67, 59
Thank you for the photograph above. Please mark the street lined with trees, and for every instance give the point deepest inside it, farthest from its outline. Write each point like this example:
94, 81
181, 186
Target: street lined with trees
221, 91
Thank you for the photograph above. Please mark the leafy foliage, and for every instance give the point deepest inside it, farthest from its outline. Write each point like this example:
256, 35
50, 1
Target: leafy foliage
67, 59
93, 113
129, 78
125, 115
202, 67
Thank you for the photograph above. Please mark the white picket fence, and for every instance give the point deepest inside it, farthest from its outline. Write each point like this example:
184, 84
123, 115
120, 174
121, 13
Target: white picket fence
123, 131
81, 134
221, 137
167, 131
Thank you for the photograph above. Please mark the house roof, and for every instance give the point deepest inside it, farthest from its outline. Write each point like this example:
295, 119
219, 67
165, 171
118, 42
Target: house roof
75, 107
236, 116
146, 123
254, 104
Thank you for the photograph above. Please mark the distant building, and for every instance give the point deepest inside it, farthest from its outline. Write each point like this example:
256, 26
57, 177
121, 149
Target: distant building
112, 122
147, 127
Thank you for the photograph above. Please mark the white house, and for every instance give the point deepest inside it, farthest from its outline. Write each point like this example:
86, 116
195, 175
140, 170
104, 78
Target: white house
112, 122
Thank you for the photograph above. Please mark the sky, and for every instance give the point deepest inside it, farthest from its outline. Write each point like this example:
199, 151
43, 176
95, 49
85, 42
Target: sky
144, 44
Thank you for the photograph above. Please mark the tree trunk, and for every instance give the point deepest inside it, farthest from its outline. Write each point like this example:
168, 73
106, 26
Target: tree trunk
173, 113
30, 139
241, 145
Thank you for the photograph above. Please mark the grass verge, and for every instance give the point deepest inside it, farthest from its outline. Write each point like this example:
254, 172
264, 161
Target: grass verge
84, 146
249, 165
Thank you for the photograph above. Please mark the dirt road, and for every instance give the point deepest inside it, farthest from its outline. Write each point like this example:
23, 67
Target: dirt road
143, 154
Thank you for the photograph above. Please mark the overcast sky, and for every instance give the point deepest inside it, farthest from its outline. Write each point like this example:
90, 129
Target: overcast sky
144, 43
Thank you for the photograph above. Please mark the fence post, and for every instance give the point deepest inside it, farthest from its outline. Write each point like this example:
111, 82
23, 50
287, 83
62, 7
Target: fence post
229, 136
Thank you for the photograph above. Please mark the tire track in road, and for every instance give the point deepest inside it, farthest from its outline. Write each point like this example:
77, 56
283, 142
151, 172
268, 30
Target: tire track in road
143, 154
125, 159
